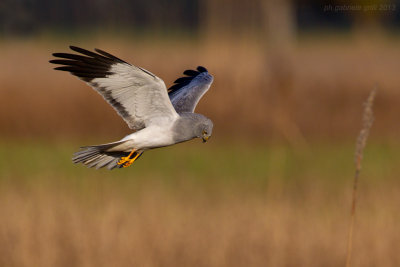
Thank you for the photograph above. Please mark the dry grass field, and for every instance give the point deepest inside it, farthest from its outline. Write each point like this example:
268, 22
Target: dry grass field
272, 187
315, 95
204, 206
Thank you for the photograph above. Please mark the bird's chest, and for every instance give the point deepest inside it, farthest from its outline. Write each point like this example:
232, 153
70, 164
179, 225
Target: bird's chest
153, 137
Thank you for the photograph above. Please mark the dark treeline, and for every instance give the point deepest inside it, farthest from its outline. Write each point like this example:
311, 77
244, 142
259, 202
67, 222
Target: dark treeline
24, 17
32, 16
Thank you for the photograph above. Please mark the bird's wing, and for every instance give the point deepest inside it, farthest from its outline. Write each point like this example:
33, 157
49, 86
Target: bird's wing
187, 91
135, 93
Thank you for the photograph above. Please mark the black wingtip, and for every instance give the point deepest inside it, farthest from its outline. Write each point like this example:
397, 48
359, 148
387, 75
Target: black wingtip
63, 68
202, 69
86, 64
108, 55
54, 61
78, 49
191, 72
58, 54
183, 81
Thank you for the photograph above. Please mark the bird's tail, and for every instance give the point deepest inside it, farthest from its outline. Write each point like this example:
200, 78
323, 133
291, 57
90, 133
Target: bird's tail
100, 156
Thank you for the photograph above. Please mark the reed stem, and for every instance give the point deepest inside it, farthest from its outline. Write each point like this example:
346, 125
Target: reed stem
367, 120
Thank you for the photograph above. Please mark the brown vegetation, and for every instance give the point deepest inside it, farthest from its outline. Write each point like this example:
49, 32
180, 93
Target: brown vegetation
314, 95
53, 225
367, 120
197, 205
224, 204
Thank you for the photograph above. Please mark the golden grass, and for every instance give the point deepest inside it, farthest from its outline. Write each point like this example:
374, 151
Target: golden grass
54, 225
367, 120
197, 205
231, 204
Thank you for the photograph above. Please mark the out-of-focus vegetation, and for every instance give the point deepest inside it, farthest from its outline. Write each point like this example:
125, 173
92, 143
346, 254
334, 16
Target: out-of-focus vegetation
319, 98
197, 205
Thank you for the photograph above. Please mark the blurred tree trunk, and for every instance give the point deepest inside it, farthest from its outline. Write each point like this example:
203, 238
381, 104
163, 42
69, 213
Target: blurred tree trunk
279, 19
369, 20
280, 26
215, 16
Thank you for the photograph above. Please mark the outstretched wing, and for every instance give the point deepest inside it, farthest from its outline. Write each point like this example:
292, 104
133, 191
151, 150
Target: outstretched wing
187, 91
135, 93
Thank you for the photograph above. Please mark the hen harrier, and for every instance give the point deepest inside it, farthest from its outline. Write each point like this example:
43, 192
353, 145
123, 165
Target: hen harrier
159, 117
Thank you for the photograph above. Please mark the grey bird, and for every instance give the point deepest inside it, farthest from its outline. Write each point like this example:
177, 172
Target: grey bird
159, 116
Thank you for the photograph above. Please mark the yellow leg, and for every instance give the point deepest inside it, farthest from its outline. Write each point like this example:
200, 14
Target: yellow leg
127, 161
130, 161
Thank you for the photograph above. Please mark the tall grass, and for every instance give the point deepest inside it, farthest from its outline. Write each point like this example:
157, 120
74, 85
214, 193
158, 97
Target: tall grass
367, 120
225, 204
195, 205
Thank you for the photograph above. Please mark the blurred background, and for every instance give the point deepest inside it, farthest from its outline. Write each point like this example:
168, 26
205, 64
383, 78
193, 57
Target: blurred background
273, 185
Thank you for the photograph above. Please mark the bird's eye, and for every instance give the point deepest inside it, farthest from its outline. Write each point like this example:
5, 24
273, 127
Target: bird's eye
205, 132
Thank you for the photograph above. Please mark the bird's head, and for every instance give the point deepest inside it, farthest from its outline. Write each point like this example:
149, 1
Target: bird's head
205, 130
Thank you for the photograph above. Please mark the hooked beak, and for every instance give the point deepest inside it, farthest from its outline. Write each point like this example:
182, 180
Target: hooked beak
205, 138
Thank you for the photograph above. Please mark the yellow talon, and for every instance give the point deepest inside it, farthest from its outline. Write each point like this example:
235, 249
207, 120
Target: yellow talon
127, 161
130, 161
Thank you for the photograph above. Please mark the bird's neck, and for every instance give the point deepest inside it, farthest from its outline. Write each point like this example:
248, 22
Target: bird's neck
186, 127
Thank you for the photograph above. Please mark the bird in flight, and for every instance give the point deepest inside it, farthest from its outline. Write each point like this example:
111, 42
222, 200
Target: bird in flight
158, 116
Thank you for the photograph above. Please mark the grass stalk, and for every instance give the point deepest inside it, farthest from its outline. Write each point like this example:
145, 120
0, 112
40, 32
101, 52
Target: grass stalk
367, 120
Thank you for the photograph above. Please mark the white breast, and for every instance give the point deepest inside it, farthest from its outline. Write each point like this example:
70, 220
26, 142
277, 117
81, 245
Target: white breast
151, 137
